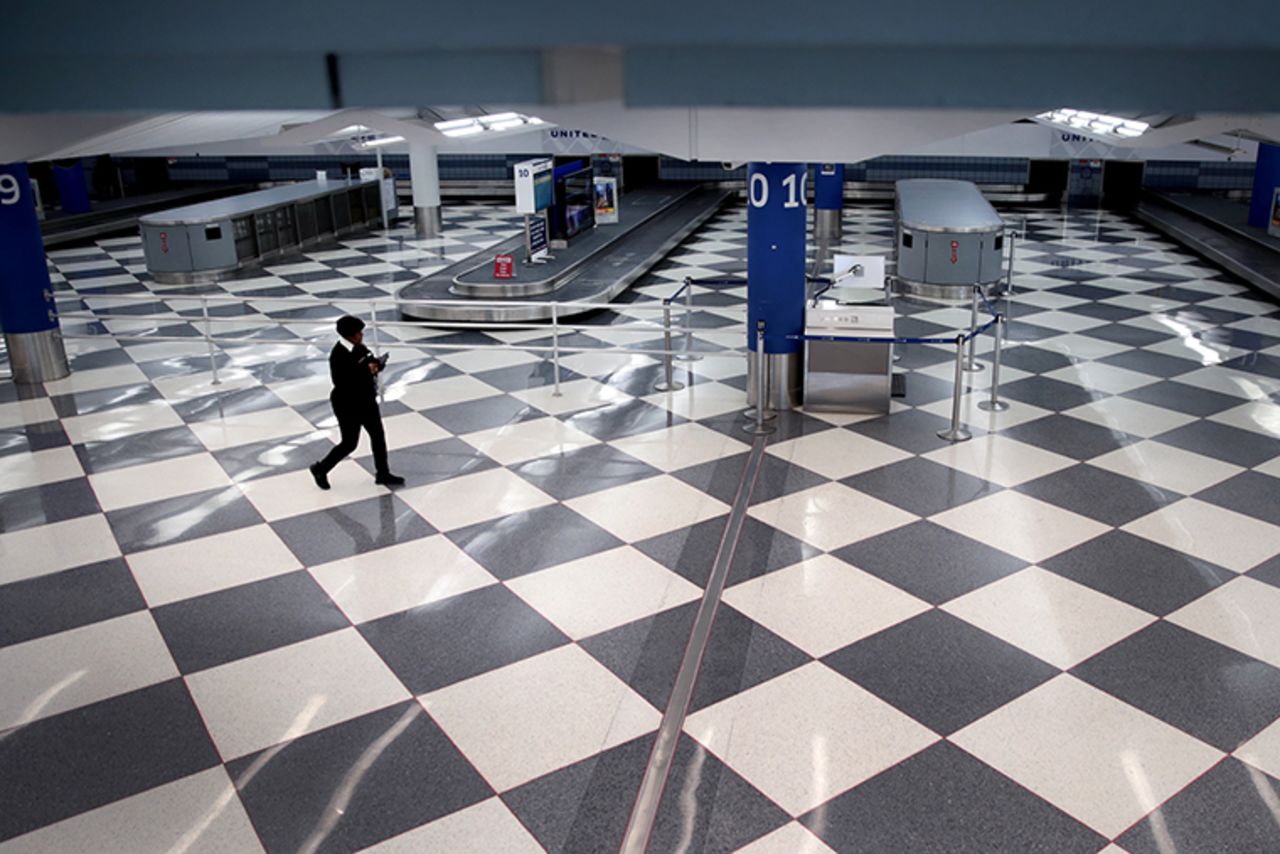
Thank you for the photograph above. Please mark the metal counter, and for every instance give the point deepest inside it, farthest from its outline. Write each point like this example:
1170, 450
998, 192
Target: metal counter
200, 242
949, 238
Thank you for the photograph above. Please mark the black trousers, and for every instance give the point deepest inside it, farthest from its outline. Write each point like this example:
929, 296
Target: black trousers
350, 420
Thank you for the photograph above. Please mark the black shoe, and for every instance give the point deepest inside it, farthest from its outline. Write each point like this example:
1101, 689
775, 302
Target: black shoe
322, 479
389, 479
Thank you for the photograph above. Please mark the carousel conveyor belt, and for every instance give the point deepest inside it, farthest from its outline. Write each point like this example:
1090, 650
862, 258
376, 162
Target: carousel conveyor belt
595, 268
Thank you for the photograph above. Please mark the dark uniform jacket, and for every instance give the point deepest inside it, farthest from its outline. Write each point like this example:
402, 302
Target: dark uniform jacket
354, 386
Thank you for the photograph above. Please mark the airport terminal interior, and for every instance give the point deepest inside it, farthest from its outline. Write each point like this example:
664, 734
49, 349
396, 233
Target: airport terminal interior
755, 502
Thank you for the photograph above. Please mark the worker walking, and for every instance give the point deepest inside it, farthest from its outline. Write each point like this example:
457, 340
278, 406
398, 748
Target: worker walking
354, 371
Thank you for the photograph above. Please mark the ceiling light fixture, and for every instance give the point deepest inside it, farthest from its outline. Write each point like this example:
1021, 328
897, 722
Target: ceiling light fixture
1097, 124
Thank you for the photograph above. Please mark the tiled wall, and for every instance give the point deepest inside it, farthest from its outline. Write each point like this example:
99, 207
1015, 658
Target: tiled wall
1193, 175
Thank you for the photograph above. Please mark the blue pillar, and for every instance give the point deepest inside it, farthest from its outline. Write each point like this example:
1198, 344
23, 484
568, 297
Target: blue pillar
828, 187
1266, 178
73, 189
776, 220
28, 313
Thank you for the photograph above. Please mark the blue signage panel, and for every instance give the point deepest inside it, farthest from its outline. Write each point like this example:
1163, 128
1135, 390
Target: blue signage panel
776, 220
24, 274
537, 234
828, 187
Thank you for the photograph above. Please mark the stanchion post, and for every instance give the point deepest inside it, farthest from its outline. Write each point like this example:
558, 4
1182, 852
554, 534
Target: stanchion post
208, 339
956, 432
994, 403
973, 365
555, 347
669, 382
688, 355
373, 328
758, 427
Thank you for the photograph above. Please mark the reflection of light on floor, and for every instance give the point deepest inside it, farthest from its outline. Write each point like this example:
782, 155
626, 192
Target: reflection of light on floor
689, 799
40, 703
1141, 786
346, 789
1266, 792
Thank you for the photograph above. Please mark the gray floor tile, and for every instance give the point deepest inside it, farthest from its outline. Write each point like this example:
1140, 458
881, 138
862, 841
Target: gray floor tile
235, 623
1222, 442
521, 543
435, 645
47, 503
930, 561
139, 448
1230, 808
48, 604
70, 763
691, 551
407, 773
176, 520
1157, 579
942, 799
1249, 492
1099, 494
921, 486
1070, 437
940, 670
351, 529
583, 470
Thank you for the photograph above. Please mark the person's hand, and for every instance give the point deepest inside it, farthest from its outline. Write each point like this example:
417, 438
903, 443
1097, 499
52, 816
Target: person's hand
374, 368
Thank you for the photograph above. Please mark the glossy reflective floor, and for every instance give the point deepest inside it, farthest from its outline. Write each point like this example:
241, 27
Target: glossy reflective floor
1063, 635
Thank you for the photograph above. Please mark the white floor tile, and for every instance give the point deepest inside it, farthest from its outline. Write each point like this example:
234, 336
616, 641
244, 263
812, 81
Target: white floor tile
190, 386
807, 735
31, 552
646, 508
831, 515
1196, 349
701, 400
473, 498
604, 364
1000, 459
594, 594
677, 447
1263, 750
1259, 416
486, 358
294, 493
433, 393
148, 482
406, 430
1166, 466
1020, 525
64, 671
199, 814
1065, 321
1094, 757
1243, 614
1130, 416
279, 695
793, 838
1226, 381
397, 578
487, 826
1097, 376
99, 378
523, 720
520, 441
823, 604
1051, 617
120, 422
1271, 467
1213, 533
208, 564
306, 390
250, 427
19, 471
837, 454
574, 395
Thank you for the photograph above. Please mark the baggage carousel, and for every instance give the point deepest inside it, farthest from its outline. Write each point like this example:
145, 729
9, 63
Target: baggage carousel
595, 268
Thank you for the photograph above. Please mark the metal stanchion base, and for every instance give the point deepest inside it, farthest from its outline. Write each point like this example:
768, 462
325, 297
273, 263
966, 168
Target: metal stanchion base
689, 357
37, 357
674, 385
758, 429
750, 412
957, 435
992, 405
974, 367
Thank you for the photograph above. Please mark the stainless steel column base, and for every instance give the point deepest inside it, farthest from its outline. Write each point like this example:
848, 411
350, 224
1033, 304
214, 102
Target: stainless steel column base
37, 357
427, 222
993, 405
828, 224
784, 380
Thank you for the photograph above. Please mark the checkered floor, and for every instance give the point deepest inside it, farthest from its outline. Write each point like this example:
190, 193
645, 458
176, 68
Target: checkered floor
1063, 635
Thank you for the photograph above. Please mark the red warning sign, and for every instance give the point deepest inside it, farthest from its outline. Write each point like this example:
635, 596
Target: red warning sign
955, 251
164, 243
503, 266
